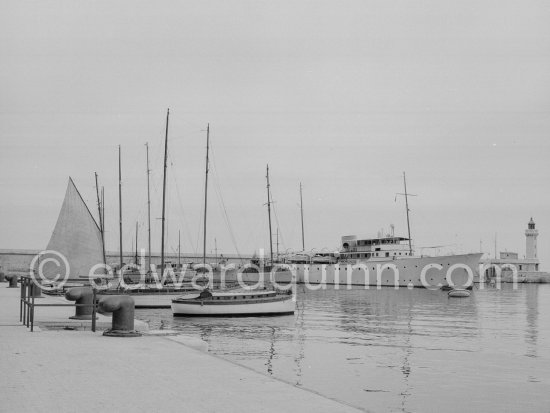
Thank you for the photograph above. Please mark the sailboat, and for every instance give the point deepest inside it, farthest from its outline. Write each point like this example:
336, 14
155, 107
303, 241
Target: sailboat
234, 302
75, 247
150, 295
272, 269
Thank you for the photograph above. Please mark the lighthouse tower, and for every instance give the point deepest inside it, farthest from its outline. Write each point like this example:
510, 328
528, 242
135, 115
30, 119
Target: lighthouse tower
531, 235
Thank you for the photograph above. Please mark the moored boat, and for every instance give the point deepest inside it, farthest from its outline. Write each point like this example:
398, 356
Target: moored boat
388, 260
234, 303
459, 292
399, 273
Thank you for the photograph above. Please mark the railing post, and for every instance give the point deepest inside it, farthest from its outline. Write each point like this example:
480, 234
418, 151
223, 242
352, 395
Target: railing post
94, 304
32, 314
28, 320
21, 298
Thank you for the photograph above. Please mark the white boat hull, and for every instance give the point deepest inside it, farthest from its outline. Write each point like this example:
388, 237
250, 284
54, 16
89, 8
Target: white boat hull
280, 307
149, 299
260, 278
459, 292
403, 272
158, 300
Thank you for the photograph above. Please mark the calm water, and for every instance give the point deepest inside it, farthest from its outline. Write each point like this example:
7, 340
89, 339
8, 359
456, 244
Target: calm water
397, 350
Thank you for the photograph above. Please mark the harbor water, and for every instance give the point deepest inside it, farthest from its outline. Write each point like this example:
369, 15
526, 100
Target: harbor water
391, 350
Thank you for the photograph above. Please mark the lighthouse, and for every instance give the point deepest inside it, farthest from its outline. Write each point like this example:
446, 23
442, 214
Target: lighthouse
531, 235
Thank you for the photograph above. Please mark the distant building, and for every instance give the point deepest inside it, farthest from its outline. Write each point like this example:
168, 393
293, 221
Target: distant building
527, 269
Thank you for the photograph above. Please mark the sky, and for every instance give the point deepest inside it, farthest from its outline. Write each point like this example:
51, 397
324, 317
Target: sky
341, 96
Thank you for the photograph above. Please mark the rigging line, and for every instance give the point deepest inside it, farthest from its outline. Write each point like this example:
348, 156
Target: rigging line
255, 231
277, 221
219, 195
225, 216
183, 214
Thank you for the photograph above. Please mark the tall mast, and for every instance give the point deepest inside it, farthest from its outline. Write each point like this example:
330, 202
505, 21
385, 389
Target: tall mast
302, 215
120, 206
100, 218
136, 258
407, 208
103, 212
277, 255
205, 195
164, 192
269, 216
179, 248
148, 213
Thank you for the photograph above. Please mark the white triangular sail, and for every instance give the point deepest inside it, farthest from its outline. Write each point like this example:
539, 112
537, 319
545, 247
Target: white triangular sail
76, 237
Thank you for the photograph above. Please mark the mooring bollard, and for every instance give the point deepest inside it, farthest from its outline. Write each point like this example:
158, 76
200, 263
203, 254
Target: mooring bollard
34, 290
122, 307
12, 279
82, 295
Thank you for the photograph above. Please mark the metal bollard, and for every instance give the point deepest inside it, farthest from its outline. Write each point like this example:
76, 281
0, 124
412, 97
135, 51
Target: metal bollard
35, 290
12, 279
122, 307
82, 295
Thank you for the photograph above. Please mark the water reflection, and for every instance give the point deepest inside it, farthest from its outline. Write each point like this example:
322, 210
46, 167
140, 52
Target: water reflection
300, 337
531, 301
396, 350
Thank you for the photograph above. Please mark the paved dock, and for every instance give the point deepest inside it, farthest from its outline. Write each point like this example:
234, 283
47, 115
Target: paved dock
79, 370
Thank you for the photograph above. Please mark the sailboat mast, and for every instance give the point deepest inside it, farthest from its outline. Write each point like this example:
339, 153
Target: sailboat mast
103, 212
277, 255
269, 216
179, 248
148, 213
407, 208
164, 192
136, 258
100, 218
120, 206
205, 195
302, 215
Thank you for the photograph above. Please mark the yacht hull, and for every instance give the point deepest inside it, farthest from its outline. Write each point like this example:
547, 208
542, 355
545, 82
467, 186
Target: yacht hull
426, 272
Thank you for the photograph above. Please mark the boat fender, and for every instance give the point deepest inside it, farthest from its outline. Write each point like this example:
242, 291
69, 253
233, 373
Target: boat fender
122, 307
83, 297
12, 279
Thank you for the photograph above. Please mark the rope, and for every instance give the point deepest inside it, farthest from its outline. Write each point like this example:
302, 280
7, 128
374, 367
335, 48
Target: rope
278, 225
180, 204
221, 202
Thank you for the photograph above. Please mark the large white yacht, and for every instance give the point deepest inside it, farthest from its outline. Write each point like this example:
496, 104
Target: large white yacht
389, 261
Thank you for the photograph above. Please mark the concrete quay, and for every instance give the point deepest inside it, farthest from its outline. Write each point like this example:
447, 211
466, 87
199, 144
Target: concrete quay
79, 370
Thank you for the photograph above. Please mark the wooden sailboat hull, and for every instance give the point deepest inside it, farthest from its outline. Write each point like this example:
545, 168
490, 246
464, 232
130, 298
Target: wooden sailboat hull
211, 308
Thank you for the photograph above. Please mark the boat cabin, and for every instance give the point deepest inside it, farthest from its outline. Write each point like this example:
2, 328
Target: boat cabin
371, 248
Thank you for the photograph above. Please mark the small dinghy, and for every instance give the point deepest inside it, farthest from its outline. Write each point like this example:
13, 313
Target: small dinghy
459, 292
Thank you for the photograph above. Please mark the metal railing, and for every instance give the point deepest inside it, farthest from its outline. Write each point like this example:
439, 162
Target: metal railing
27, 303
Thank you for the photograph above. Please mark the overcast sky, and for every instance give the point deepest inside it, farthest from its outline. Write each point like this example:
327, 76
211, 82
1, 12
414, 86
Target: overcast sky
342, 96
